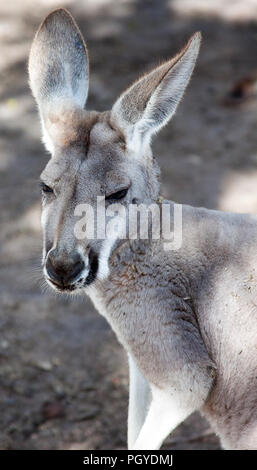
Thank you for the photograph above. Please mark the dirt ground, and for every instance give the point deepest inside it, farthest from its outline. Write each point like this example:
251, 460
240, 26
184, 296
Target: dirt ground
63, 375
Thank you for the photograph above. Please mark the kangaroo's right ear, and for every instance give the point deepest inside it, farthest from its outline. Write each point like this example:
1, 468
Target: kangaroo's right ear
145, 107
58, 71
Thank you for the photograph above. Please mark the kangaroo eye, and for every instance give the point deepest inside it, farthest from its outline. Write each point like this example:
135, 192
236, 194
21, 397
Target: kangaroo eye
117, 196
45, 189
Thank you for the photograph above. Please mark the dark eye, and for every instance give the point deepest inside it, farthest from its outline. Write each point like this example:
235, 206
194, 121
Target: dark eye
45, 189
117, 196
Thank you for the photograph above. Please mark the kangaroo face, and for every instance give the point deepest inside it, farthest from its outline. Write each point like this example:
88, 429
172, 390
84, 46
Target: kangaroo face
94, 165
94, 155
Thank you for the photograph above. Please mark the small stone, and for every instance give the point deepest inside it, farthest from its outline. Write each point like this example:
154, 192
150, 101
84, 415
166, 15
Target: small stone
44, 365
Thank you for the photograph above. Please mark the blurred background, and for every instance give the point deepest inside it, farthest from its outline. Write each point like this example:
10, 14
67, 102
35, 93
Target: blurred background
63, 376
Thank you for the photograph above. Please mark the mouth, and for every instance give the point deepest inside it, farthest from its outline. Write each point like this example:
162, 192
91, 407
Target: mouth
61, 288
94, 264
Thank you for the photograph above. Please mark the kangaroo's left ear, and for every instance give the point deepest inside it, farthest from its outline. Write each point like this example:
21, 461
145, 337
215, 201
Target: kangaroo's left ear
151, 101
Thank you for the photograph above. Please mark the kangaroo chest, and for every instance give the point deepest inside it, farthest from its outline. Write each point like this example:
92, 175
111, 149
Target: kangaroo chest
146, 310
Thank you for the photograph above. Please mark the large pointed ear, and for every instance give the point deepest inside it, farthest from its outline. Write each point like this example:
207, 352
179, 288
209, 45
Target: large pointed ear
58, 71
151, 101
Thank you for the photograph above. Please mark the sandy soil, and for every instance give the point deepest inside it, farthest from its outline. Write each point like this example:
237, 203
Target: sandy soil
63, 376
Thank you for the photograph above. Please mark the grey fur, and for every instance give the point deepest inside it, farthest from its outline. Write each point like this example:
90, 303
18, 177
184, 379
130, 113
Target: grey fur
187, 318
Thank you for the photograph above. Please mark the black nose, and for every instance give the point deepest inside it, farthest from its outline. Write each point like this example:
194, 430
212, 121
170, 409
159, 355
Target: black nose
63, 269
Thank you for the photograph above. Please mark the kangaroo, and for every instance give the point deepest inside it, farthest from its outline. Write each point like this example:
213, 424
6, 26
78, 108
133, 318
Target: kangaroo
187, 317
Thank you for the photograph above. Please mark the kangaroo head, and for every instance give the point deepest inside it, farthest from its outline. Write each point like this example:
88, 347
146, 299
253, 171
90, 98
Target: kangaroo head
94, 154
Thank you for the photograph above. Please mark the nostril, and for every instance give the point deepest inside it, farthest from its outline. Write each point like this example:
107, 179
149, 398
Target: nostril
77, 268
53, 271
